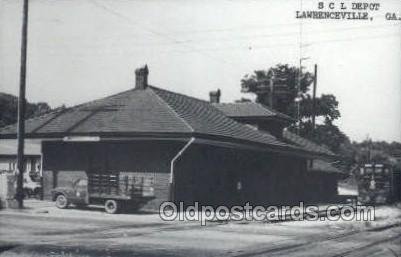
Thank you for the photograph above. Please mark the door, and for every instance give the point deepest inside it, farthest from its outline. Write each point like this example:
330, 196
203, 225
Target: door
81, 191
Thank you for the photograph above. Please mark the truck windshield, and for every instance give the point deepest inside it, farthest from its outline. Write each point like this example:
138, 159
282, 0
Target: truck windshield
35, 177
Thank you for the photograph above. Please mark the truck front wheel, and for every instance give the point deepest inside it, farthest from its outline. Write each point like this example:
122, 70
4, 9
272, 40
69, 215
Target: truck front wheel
111, 206
61, 201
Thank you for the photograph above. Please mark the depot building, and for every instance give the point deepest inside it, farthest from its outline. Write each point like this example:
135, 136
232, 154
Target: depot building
194, 150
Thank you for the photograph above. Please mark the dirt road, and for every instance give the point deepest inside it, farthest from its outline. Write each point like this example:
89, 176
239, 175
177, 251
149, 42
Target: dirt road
92, 233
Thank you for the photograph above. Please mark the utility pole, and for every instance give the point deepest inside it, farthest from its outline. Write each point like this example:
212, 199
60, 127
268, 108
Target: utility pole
21, 107
314, 100
271, 88
299, 98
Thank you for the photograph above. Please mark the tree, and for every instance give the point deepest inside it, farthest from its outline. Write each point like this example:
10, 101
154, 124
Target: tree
326, 106
243, 100
285, 81
283, 75
369, 151
9, 109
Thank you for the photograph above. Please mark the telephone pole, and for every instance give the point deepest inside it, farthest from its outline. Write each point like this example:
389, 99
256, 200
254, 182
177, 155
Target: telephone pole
299, 98
21, 107
314, 100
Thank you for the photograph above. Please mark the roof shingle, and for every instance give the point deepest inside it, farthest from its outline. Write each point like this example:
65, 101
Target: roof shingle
204, 118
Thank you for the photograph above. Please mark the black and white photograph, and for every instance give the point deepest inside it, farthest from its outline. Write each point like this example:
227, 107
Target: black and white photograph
234, 128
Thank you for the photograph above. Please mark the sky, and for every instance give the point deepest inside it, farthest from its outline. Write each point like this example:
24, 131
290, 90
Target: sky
87, 49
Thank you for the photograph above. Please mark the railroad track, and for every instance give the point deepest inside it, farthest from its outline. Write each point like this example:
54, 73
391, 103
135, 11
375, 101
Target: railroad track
286, 250
364, 247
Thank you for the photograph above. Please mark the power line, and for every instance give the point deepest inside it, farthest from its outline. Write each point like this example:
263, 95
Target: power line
310, 43
298, 100
271, 35
247, 47
173, 41
271, 46
204, 51
118, 14
238, 28
286, 34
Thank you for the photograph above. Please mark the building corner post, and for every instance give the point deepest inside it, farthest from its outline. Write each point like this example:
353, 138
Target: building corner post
172, 166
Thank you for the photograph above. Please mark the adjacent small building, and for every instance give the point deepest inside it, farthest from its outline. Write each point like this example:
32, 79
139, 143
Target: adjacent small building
322, 176
32, 154
192, 150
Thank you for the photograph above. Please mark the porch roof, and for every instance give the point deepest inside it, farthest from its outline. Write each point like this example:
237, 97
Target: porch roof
8, 147
251, 110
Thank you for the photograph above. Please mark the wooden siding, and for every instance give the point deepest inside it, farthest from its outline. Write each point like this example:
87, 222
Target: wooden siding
207, 174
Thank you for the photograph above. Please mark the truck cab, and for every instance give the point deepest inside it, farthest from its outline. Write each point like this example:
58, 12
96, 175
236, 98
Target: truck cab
31, 185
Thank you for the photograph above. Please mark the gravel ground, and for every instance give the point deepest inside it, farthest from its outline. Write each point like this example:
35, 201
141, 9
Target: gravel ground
43, 230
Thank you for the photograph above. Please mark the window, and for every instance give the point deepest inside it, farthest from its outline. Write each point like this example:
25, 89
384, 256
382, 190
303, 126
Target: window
82, 182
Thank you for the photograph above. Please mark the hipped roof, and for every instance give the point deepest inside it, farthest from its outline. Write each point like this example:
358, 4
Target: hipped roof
150, 111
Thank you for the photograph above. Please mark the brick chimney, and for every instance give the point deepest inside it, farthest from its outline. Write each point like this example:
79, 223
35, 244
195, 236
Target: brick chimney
141, 77
215, 96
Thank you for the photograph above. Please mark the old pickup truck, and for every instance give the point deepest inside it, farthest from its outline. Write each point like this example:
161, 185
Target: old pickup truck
113, 191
